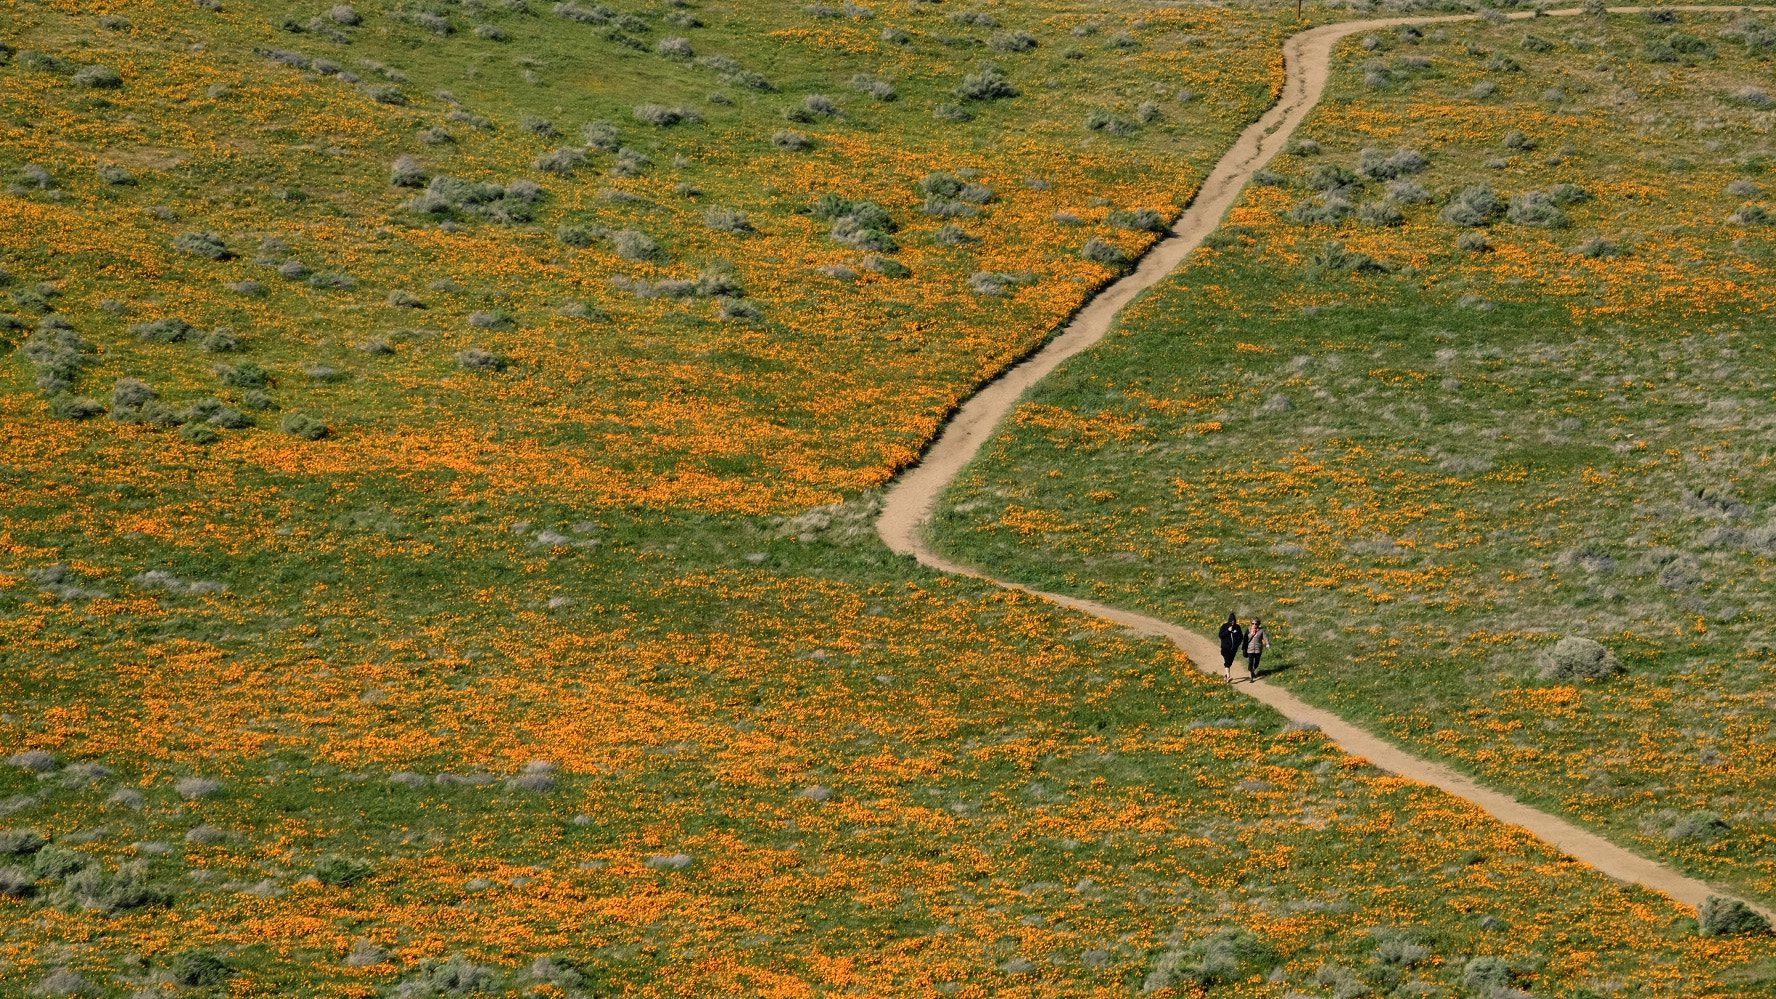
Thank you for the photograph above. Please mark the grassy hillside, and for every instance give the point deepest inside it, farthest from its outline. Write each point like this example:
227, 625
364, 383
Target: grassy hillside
1429, 412
436, 531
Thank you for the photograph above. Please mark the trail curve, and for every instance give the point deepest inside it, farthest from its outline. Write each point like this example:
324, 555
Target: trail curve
909, 501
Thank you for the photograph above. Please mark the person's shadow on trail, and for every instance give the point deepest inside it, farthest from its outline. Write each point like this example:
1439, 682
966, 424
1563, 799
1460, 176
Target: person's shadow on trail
1269, 668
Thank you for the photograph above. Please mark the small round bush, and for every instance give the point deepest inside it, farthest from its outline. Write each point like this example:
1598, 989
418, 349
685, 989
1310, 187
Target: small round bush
560, 161
99, 78
633, 245
1098, 251
1383, 212
576, 236
199, 433
75, 407
790, 140
207, 245
988, 83
477, 359
1486, 973
340, 872
661, 116
494, 320
1576, 658
304, 426
1012, 41
407, 172
199, 968
1475, 206
728, 220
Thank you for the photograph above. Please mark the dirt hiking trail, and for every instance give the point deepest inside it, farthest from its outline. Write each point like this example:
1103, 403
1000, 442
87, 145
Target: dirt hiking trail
911, 499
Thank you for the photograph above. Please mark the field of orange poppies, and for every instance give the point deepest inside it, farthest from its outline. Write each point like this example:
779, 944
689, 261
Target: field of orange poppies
435, 544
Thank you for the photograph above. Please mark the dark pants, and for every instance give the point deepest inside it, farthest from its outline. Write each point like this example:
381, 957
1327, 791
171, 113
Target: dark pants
1227, 658
1252, 661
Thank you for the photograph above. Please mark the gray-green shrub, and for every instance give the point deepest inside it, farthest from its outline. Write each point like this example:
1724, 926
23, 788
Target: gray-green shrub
1577, 658
304, 426
988, 83
1725, 917
1473, 207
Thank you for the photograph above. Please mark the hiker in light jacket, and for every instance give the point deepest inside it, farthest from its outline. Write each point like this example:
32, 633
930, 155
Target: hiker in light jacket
1257, 640
1233, 638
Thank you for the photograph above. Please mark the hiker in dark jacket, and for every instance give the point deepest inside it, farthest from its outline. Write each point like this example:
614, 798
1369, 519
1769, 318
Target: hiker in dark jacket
1233, 638
1257, 640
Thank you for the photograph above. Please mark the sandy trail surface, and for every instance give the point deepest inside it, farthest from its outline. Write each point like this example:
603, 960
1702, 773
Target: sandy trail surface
910, 501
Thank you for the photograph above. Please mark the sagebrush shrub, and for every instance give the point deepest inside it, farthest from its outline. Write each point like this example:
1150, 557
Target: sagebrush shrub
632, 244
1109, 123
1724, 917
131, 393
456, 976
303, 426
1577, 658
951, 234
478, 359
1099, 251
1329, 208
1137, 220
1224, 956
737, 309
602, 135
1408, 192
1012, 41
1473, 207
99, 78
384, 93
877, 88
1378, 164
1537, 209
407, 172
661, 116
790, 140
728, 220
987, 83
243, 375
207, 245
1597, 248
997, 283
560, 161
1382, 212
1486, 972
1750, 214
171, 329
1335, 256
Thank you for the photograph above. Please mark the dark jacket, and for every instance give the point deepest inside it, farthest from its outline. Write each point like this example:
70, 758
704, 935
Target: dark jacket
1232, 637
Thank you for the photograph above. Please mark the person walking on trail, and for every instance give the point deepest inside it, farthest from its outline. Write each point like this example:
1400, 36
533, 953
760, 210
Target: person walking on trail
1233, 638
1257, 640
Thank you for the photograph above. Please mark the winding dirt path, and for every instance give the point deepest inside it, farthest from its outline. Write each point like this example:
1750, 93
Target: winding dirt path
910, 501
